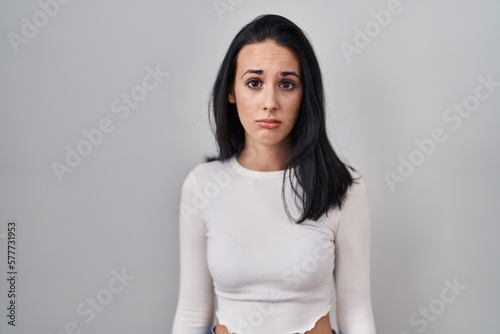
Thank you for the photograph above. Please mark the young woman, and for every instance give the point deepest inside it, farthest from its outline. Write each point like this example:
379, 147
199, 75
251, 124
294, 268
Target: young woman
276, 221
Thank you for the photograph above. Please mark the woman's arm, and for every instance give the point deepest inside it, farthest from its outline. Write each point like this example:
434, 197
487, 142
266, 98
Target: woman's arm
195, 307
352, 264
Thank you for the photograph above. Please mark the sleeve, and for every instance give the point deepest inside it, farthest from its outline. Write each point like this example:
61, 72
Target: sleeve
195, 306
352, 264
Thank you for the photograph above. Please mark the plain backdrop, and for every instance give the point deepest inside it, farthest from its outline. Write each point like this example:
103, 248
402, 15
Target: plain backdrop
67, 70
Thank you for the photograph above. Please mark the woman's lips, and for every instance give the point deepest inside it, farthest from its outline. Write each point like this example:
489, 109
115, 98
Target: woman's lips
269, 123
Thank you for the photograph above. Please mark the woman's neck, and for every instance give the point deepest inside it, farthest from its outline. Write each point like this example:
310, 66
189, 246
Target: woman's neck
265, 159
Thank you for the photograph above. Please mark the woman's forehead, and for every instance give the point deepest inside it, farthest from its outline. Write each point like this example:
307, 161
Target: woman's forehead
267, 56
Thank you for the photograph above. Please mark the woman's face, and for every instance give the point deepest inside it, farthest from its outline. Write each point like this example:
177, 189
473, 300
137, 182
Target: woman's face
267, 92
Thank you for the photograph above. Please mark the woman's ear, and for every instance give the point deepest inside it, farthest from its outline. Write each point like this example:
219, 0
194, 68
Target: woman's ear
230, 96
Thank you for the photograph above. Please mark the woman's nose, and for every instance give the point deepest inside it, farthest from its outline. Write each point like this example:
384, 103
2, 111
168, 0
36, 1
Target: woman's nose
270, 99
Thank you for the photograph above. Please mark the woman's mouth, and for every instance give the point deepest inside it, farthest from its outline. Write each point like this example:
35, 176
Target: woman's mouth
269, 123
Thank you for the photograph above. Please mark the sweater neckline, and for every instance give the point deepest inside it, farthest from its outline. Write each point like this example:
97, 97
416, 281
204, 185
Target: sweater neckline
277, 174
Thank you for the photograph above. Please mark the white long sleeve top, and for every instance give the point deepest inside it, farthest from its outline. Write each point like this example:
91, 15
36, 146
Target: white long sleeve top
242, 258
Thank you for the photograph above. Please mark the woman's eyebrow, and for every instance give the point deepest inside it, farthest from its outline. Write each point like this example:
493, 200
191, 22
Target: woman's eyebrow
284, 74
259, 72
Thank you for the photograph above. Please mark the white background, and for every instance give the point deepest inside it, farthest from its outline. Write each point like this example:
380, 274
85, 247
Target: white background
118, 208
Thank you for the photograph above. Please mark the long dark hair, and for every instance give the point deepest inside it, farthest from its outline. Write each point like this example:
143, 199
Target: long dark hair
322, 179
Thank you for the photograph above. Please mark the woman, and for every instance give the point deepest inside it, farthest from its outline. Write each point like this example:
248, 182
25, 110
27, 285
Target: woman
270, 224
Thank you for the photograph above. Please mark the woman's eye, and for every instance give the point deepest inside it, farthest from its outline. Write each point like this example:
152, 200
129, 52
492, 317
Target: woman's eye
253, 83
287, 85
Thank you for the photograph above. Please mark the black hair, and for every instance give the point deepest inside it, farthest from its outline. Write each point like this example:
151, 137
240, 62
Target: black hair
322, 179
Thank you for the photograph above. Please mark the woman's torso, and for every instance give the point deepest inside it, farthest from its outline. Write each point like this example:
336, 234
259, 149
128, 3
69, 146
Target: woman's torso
322, 327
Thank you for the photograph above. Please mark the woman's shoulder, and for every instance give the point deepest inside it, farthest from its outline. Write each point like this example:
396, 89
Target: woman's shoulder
356, 193
357, 180
209, 171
